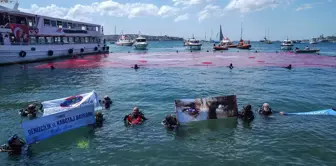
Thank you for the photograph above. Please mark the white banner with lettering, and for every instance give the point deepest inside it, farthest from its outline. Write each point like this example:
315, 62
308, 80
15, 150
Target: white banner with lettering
48, 126
59, 105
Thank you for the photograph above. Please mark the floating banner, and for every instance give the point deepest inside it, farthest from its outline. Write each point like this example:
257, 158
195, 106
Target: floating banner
65, 104
188, 110
48, 126
321, 112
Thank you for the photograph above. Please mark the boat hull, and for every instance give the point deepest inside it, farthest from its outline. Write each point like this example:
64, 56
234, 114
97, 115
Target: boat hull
286, 47
306, 51
244, 47
195, 47
11, 54
217, 48
124, 43
140, 46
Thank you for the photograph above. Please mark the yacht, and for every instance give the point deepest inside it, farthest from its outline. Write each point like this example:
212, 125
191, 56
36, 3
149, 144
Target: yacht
194, 44
26, 37
287, 44
140, 43
313, 41
124, 41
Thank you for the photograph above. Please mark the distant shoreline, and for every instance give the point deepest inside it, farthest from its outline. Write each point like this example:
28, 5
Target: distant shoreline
148, 37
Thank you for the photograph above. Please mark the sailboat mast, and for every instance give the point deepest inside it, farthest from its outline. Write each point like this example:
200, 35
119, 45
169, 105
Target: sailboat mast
241, 31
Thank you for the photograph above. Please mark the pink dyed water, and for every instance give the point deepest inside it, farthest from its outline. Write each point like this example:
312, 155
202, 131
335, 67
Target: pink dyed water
186, 59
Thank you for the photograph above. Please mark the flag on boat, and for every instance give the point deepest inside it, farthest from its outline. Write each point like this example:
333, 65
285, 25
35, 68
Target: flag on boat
68, 103
47, 126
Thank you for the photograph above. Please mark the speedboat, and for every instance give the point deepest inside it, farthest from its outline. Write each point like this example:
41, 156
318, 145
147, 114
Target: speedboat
227, 42
140, 43
313, 41
306, 51
287, 44
194, 44
124, 41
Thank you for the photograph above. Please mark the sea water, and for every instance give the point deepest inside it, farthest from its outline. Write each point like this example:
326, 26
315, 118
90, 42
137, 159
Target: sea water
274, 140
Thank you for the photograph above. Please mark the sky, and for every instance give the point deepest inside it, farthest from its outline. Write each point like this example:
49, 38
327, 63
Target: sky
297, 19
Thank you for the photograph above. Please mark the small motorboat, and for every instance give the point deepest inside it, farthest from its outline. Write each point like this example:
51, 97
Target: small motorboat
287, 45
299, 51
217, 48
244, 46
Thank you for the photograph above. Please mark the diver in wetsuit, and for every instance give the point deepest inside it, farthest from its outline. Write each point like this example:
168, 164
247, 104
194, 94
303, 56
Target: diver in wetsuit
30, 111
170, 122
289, 66
246, 114
136, 67
99, 119
14, 146
231, 66
265, 110
107, 102
135, 117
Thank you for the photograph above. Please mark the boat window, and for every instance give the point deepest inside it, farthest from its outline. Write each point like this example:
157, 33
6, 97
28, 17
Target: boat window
53, 23
57, 40
86, 39
12, 19
65, 40
46, 22
97, 29
65, 25
41, 40
94, 40
77, 40
141, 40
32, 40
71, 40
49, 40
84, 27
69, 25
30, 21
74, 26
59, 24
4, 19
82, 40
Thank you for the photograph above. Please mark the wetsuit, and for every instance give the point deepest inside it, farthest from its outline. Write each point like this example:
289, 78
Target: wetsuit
107, 102
15, 145
135, 118
266, 113
170, 122
246, 115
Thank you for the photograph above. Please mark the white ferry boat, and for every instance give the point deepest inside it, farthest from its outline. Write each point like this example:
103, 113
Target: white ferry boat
26, 37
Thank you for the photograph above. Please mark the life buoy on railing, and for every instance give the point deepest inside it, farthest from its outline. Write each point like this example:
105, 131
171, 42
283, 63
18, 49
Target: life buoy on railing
50, 53
33, 49
22, 53
82, 50
103, 48
96, 48
70, 51
107, 48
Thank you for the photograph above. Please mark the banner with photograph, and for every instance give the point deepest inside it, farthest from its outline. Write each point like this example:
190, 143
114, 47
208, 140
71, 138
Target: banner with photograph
188, 110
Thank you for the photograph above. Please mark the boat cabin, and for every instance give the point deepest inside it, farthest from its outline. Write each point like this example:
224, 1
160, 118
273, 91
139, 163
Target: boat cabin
140, 39
19, 28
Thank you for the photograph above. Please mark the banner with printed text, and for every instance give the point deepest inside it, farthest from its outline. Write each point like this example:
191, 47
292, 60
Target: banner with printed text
48, 126
188, 110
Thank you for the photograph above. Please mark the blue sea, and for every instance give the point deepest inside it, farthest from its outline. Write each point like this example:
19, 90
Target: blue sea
275, 140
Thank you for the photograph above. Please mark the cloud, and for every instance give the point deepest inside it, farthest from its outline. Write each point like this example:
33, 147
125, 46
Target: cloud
105, 8
245, 6
182, 17
310, 5
210, 11
186, 2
